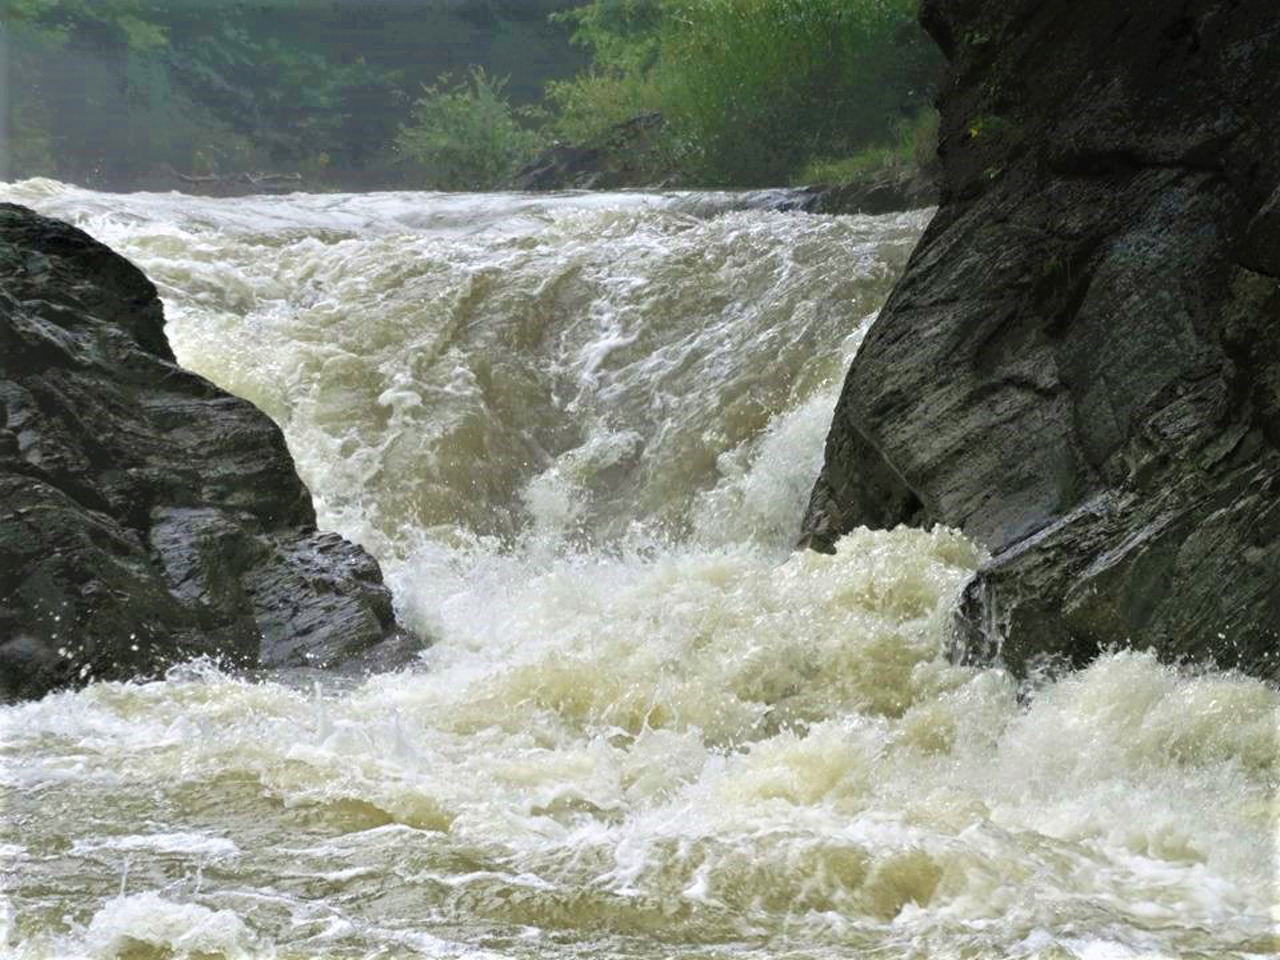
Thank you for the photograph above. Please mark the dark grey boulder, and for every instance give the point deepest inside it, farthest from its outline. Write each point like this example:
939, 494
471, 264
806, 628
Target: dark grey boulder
146, 516
1081, 365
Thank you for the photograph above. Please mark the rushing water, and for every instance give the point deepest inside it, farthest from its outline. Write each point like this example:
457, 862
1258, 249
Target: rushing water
579, 432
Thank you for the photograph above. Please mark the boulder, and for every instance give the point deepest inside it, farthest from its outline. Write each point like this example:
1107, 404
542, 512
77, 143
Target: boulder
1080, 367
147, 517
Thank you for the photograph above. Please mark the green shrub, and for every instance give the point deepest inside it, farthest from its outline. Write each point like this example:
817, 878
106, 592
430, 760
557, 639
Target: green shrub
869, 163
751, 89
596, 102
623, 38
915, 150
465, 135
761, 85
622, 35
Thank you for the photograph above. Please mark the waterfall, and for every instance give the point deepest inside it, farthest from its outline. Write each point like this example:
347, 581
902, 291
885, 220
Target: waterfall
578, 431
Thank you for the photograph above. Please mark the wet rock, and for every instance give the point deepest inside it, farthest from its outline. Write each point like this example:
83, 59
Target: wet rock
626, 155
145, 515
1081, 364
878, 193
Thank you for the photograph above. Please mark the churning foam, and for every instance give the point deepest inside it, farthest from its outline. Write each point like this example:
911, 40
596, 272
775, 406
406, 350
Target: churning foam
579, 432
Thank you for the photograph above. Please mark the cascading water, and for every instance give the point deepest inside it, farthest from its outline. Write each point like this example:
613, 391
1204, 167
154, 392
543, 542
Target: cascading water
579, 431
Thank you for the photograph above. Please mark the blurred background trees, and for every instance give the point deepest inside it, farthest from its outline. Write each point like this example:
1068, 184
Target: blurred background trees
456, 94
752, 91
108, 92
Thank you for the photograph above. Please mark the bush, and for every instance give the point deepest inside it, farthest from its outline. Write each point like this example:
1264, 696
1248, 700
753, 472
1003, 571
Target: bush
595, 103
623, 37
914, 151
465, 135
752, 89
763, 84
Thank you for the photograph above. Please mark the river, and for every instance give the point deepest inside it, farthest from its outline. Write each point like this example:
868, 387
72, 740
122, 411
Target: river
579, 432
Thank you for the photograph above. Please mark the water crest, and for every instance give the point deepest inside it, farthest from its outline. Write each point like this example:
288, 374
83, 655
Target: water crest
579, 432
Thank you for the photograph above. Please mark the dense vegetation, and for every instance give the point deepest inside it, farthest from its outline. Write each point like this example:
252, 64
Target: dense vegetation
751, 90
459, 94
467, 136
115, 92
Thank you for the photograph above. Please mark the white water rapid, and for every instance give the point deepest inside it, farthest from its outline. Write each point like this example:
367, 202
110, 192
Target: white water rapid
579, 432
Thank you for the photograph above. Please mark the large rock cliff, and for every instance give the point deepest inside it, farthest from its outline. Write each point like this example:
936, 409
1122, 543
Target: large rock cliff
145, 515
1081, 366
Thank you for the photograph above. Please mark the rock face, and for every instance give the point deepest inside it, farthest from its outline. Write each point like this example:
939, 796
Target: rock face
1081, 365
145, 515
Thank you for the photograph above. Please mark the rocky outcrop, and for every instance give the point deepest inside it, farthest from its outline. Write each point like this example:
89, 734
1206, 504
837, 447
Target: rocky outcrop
1081, 364
628, 154
145, 515
878, 193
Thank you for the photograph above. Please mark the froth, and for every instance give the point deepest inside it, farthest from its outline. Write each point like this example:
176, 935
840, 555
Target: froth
579, 432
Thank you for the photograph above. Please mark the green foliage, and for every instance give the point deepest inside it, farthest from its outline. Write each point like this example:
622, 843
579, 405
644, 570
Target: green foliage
760, 84
915, 149
622, 35
27, 145
873, 162
113, 92
750, 89
117, 93
293, 103
135, 22
465, 135
590, 106
123, 87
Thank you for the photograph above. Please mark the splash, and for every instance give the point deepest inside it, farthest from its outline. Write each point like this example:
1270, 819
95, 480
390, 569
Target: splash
579, 431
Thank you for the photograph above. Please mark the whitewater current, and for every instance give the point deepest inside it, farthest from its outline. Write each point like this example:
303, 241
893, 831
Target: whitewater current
579, 431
